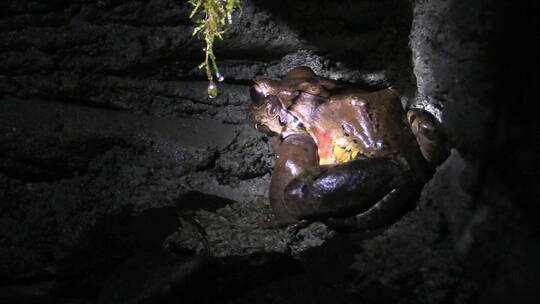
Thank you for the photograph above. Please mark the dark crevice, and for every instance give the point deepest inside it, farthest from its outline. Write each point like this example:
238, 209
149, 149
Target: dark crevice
194, 200
78, 101
246, 82
179, 21
342, 21
49, 159
102, 249
252, 53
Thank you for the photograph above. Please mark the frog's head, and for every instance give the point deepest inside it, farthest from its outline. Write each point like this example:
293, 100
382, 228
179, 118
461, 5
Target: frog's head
264, 112
280, 107
268, 113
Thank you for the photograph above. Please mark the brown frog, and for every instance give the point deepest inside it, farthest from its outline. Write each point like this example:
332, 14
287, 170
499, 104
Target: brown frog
351, 158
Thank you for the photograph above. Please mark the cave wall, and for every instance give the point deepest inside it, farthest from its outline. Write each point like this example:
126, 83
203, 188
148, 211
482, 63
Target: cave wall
106, 134
474, 60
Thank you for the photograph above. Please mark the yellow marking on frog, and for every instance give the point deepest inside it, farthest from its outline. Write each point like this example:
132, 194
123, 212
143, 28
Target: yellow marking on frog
335, 148
342, 150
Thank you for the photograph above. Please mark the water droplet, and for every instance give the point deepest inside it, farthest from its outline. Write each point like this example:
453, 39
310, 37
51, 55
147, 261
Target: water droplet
212, 90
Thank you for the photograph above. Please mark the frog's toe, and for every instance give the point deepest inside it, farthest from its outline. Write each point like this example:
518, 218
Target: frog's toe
429, 135
278, 223
293, 228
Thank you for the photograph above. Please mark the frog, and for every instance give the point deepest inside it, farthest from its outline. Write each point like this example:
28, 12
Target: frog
350, 157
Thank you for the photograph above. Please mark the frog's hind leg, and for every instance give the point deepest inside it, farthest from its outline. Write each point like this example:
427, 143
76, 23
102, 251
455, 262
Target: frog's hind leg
378, 189
386, 211
429, 135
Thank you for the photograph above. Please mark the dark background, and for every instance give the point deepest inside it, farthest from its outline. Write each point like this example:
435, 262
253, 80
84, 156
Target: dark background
110, 148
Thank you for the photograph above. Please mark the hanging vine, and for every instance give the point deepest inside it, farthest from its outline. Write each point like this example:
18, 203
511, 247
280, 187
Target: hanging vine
214, 16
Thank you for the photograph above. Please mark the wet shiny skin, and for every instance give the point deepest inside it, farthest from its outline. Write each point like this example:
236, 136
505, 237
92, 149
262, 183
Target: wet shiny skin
344, 155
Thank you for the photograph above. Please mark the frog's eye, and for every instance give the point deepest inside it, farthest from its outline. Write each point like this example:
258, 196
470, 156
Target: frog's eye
427, 130
314, 90
273, 105
256, 97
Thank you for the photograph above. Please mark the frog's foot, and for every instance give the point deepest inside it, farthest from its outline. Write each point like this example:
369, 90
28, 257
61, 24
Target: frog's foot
292, 225
301, 224
429, 135
386, 211
278, 223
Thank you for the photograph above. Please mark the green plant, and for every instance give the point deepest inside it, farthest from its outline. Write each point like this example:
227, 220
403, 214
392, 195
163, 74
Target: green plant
216, 15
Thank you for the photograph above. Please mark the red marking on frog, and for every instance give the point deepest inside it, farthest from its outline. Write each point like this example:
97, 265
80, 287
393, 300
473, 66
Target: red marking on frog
324, 143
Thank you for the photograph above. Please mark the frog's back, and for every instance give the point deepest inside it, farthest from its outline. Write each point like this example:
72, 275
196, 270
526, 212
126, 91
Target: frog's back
349, 126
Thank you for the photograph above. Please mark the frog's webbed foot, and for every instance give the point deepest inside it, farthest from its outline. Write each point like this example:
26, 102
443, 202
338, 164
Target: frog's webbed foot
293, 228
387, 210
292, 225
429, 135
276, 223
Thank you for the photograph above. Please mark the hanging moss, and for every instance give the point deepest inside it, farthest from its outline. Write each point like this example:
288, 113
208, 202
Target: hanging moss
214, 16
